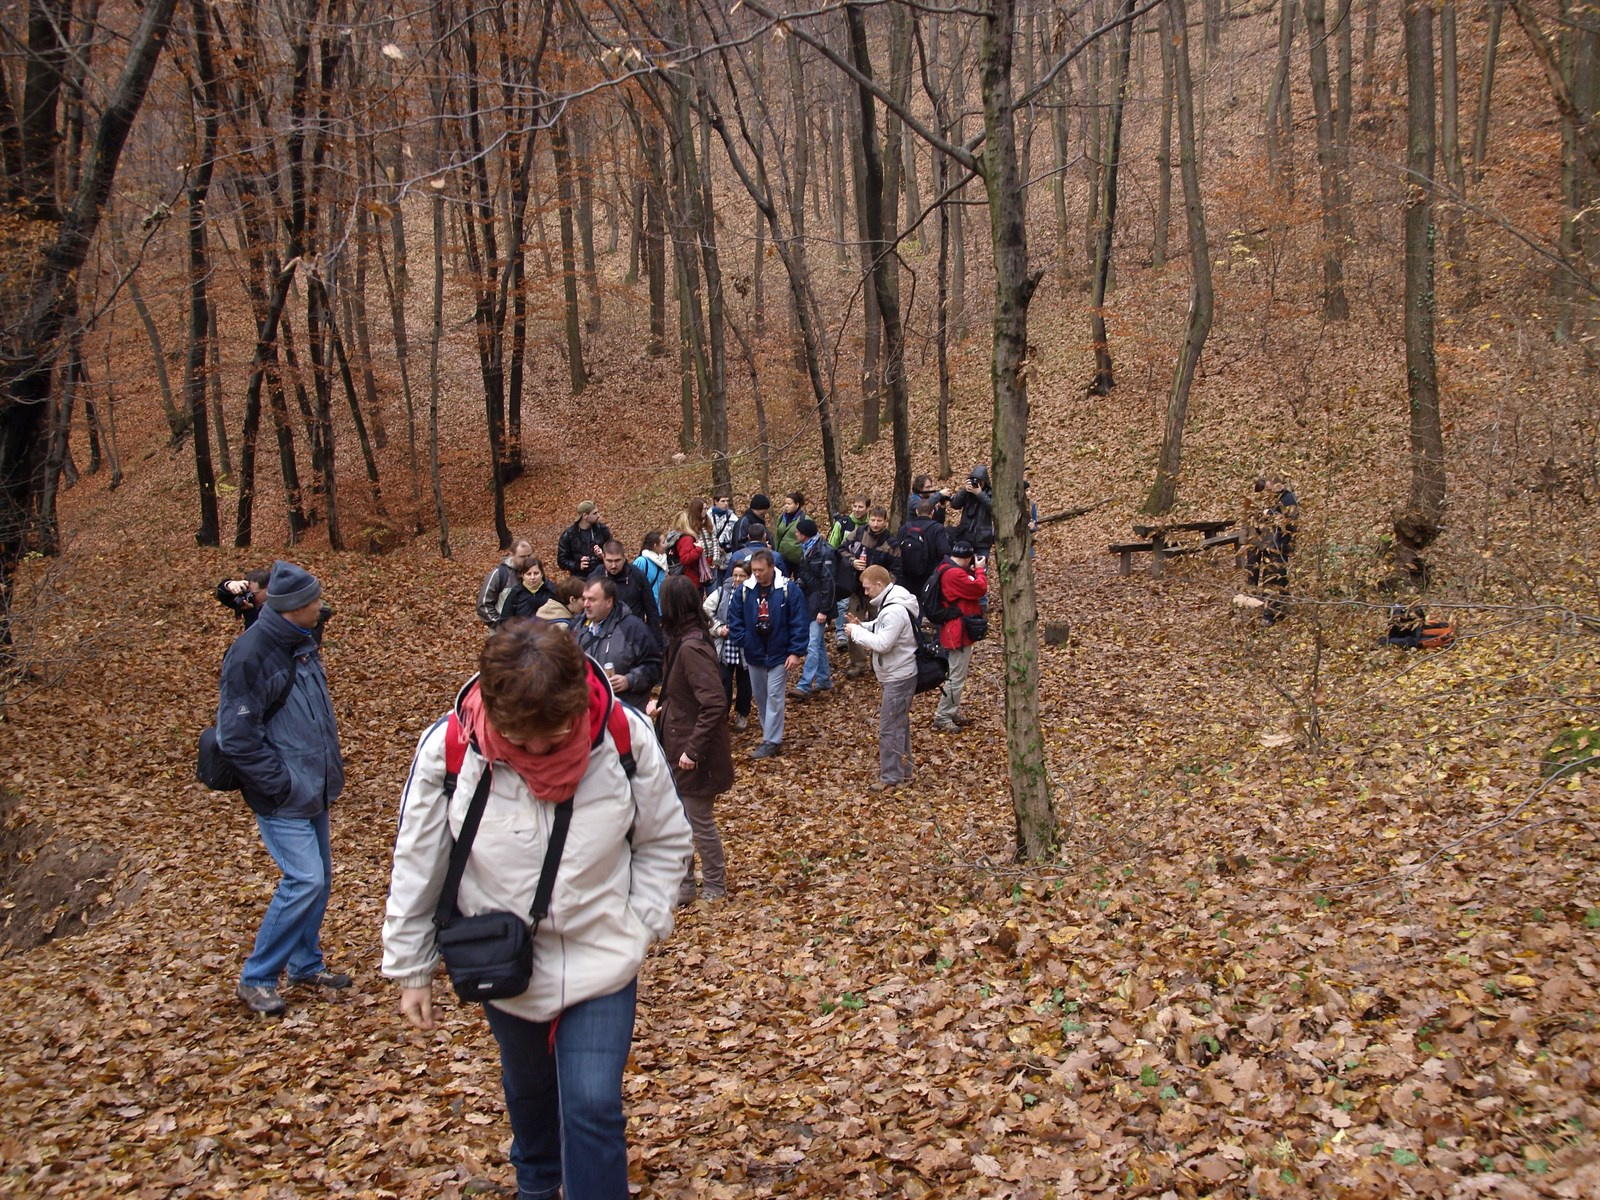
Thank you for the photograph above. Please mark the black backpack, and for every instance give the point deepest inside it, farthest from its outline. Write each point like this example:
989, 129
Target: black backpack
916, 555
936, 610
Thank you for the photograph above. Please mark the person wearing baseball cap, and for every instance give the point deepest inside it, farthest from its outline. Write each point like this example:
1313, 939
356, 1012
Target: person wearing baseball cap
276, 728
578, 552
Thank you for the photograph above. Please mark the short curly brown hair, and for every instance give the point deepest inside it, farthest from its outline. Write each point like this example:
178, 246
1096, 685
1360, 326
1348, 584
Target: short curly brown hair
532, 677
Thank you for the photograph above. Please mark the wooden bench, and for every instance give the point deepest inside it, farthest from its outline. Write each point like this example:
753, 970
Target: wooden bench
1160, 546
1128, 550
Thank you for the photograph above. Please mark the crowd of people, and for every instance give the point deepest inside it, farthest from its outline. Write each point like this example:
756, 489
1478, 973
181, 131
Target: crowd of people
782, 595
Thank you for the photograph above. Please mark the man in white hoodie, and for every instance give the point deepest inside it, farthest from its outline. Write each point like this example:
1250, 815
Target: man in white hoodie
891, 635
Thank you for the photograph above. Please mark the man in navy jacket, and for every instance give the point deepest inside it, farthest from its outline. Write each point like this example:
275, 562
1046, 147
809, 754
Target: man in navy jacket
275, 725
769, 622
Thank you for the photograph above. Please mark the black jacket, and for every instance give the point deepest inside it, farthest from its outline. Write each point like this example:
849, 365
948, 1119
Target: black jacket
242, 606
816, 574
937, 540
879, 550
523, 603
577, 543
634, 590
622, 641
977, 519
741, 528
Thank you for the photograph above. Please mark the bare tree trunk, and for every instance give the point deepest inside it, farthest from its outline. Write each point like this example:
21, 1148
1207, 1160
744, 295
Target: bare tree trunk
197, 192
1201, 300
1416, 527
1104, 380
872, 318
1280, 111
1014, 287
1455, 171
655, 239
1491, 52
884, 281
402, 354
433, 374
219, 421
1335, 306
583, 169
177, 422
1158, 248
569, 261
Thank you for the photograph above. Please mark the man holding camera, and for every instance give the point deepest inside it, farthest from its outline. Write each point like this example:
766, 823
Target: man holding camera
975, 502
962, 587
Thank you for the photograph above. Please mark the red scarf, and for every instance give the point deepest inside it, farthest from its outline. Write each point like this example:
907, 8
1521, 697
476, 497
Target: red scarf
553, 776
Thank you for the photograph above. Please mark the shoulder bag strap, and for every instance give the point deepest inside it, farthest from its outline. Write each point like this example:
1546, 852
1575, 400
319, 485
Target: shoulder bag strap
462, 850
271, 710
552, 858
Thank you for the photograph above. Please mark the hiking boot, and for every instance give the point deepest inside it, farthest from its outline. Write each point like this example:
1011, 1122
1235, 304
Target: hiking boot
685, 897
714, 897
960, 721
741, 723
946, 726
799, 693
323, 979
263, 1000
881, 785
767, 750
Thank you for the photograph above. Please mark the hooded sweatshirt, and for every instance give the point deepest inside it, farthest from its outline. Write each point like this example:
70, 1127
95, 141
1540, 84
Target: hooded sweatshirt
891, 635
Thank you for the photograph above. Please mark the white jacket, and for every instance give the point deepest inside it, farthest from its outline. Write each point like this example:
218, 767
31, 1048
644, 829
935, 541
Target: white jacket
891, 635
613, 896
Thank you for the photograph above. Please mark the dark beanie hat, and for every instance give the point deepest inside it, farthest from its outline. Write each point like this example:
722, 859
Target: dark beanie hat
291, 587
760, 503
806, 527
962, 550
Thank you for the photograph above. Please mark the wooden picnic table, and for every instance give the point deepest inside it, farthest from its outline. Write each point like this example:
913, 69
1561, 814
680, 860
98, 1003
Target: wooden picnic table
1160, 542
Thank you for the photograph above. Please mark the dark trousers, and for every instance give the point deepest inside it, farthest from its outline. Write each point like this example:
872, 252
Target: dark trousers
736, 684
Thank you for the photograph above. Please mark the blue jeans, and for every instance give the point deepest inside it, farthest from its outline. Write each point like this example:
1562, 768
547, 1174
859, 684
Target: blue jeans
290, 932
568, 1131
816, 674
839, 610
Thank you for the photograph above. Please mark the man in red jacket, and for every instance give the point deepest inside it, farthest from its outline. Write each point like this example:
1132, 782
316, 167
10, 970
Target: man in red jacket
962, 588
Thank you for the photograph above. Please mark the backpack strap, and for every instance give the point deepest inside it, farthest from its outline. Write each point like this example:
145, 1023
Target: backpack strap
621, 737
455, 752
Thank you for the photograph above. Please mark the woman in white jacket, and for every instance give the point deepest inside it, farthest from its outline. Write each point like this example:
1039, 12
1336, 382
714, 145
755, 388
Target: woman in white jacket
536, 719
891, 635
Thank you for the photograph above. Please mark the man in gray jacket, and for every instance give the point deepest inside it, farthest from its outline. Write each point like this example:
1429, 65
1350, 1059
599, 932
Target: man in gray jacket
891, 635
275, 725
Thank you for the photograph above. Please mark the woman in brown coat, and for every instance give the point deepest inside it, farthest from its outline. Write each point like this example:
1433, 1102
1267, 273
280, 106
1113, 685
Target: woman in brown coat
693, 722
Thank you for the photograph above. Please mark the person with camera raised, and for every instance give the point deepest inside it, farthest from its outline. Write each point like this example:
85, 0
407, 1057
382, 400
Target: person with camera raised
958, 615
975, 502
571, 785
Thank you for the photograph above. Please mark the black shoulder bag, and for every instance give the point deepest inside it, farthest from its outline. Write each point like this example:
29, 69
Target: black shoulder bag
490, 956
211, 766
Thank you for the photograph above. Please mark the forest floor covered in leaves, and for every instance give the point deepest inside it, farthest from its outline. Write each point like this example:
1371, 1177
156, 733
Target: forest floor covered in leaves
1319, 925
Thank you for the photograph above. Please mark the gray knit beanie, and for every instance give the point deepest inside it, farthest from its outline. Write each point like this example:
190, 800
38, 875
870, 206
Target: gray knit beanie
291, 587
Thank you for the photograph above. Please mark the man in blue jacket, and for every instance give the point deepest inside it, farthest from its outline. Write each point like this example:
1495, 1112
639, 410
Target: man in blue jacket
275, 725
769, 622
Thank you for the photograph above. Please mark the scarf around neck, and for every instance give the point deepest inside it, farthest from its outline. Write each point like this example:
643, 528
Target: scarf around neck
553, 776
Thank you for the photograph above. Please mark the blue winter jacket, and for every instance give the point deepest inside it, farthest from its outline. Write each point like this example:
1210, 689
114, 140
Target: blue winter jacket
290, 765
790, 617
